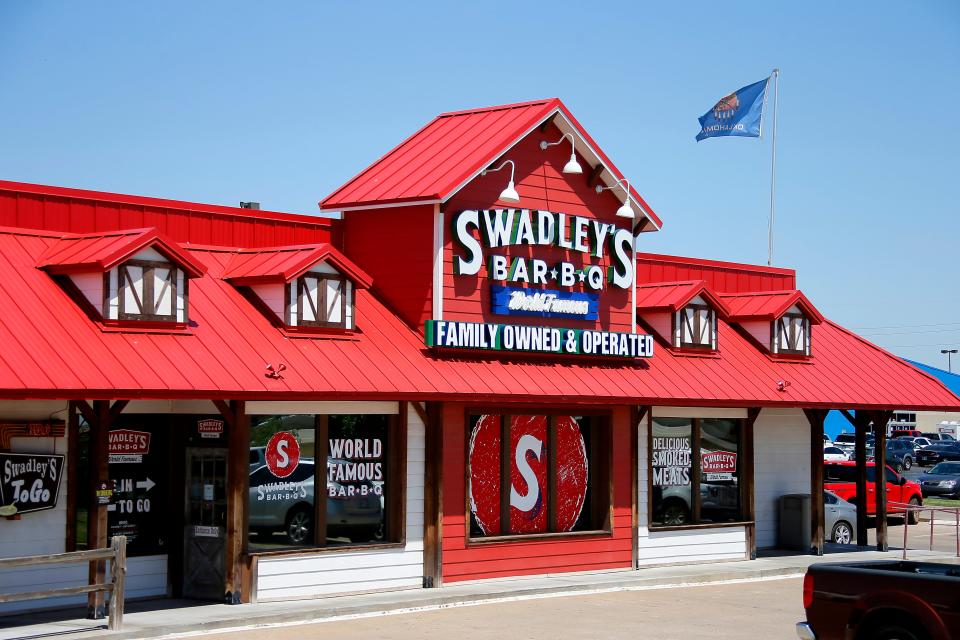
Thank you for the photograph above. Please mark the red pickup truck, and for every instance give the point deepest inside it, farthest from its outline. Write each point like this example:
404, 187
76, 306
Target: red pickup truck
881, 600
840, 477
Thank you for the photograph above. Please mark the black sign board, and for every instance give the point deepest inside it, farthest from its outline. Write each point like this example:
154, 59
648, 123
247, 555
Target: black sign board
29, 481
139, 467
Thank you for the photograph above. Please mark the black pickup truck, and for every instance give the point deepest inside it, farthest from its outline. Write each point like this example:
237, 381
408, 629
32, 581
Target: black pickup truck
883, 600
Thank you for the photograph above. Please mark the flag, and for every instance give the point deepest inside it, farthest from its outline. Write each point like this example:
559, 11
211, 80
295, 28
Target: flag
738, 114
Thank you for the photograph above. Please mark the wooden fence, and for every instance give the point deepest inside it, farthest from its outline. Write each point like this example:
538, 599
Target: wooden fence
116, 554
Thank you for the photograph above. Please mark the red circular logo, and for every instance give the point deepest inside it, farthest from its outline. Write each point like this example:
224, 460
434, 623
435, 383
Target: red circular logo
283, 454
527, 453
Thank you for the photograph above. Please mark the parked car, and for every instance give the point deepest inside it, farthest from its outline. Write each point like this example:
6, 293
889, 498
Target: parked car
939, 437
900, 455
897, 433
880, 600
840, 477
839, 518
918, 442
938, 452
826, 441
286, 504
847, 441
941, 481
834, 454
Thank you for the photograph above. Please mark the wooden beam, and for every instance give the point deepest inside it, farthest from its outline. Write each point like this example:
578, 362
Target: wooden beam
747, 481
595, 175
238, 481
879, 419
860, 454
73, 461
97, 513
225, 411
433, 498
86, 411
816, 418
846, 414
117, 408
421, 411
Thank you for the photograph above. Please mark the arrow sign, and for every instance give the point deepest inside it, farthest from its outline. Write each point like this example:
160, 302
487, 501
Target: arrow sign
146, 484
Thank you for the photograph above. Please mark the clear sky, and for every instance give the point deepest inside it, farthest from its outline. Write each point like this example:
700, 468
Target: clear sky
283, 102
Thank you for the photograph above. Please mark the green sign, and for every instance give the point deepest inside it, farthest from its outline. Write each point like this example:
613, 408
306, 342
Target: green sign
486, 336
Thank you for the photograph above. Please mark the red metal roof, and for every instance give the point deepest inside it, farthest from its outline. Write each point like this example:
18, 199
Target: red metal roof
439, 159
768, 305
283, 264
51, 349
673, 296
103, 251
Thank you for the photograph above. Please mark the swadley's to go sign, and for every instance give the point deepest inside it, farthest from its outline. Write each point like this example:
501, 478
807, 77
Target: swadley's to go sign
507, 337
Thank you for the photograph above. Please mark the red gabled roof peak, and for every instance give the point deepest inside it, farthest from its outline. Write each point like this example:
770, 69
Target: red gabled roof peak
104, 250
502, 107
673, 296
283, 264
768, 305
433, 164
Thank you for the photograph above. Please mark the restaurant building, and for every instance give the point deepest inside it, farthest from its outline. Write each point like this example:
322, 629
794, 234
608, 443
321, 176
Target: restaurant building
475, 367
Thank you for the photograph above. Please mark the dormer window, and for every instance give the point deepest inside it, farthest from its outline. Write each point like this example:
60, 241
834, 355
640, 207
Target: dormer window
696, 327
125, 278
301, 288
321, 300
146, 290
791, 334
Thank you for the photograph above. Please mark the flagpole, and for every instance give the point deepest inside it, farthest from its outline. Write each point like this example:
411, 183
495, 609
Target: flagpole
773, 167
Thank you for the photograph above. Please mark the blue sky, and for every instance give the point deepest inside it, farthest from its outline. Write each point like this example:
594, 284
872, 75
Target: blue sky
282, 102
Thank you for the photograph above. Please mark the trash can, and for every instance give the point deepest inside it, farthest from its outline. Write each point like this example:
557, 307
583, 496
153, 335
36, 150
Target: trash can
794, 521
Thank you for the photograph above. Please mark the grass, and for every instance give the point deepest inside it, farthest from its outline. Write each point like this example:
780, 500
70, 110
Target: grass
941, 502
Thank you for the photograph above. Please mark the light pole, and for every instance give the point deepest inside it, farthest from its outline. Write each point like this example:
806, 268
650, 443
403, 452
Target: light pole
949, 353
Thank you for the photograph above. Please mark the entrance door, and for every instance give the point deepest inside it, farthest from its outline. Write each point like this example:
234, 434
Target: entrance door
205, 530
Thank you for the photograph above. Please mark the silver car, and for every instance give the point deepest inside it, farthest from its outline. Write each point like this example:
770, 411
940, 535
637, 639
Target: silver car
839, 517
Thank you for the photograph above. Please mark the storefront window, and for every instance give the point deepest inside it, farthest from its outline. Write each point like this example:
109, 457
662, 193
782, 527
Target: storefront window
537, 474
355, 480
701, 489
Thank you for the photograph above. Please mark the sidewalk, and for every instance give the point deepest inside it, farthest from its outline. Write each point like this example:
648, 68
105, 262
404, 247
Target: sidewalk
156, 618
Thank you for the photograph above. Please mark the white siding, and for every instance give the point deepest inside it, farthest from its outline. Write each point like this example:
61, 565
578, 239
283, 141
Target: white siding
685, 546
44, 532
662, 323
760, 330
273, 296
320, 574
91, 286
781, 440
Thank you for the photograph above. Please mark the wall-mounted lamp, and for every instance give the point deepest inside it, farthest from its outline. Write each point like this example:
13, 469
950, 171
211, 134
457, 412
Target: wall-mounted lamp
510, 193
572, 165
625, 211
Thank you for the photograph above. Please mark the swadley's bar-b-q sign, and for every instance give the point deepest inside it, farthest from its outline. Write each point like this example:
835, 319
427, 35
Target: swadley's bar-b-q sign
508, 337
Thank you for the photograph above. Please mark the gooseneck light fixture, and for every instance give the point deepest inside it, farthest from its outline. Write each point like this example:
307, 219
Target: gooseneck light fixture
625, 210
510, 193
572, 165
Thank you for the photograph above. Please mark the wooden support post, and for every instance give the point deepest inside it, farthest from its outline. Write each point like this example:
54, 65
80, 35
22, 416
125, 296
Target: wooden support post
433, 498
747, 482
238, 481
73, 462
879, 420
99, 418
118, 576
860, 454
816, 418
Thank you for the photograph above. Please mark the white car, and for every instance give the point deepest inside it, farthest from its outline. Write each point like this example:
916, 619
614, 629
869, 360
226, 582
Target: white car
834, 454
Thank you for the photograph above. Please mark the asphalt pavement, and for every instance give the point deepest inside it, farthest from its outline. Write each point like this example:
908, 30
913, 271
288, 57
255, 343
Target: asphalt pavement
763, 609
